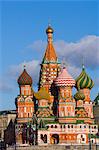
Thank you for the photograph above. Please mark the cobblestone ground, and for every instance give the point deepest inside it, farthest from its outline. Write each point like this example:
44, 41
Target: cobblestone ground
57, 147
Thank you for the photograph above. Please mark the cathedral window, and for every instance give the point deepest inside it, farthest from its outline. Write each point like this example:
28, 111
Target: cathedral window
84, 126
27, 90
55, 126
28, 114
51, 126
41, 136
45, 138
81, 136
82, 139
68, 126
71, 126
21, 114
22, 90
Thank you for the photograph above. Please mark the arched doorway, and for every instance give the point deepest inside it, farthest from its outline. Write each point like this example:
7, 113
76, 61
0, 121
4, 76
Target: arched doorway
55, 139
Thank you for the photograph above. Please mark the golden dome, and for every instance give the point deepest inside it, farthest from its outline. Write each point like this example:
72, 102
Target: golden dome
49, 29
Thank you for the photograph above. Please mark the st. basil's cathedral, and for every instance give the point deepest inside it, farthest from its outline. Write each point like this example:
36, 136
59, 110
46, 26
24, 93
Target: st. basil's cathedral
53, 115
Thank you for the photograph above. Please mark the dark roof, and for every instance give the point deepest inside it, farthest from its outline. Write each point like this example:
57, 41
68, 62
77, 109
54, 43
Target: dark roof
24, 78
5, 112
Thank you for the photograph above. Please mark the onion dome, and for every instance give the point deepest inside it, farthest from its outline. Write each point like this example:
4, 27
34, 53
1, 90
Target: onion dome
24, 78
64, 79
97, 100
84, 81
79, 96
49, 29
42, 94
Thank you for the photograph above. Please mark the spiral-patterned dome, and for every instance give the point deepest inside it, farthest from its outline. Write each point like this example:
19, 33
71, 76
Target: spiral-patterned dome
79, 96
64, 79
84, 81
24, 78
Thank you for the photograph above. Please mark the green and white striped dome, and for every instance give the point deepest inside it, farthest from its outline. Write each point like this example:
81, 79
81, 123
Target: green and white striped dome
84, 81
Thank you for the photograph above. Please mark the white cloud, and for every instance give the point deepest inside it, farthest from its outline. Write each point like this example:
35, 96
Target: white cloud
32, 68
38, 45
86, 48
74, 52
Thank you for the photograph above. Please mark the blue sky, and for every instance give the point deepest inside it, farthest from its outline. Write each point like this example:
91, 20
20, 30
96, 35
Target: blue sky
23, 38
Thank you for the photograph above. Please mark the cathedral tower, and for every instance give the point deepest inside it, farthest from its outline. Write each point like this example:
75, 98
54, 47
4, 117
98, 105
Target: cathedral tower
24, 101
65, 82
24, 106
84, 84
50, 66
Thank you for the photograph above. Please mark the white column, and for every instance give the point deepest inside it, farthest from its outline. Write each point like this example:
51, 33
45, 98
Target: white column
48, 138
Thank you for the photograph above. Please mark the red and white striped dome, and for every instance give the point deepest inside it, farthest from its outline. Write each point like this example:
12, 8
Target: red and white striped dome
64, 79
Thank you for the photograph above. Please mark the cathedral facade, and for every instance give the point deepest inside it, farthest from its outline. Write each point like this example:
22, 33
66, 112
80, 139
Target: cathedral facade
53, 115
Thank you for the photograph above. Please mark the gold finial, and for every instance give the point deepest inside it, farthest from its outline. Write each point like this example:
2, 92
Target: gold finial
49, 29
83, 66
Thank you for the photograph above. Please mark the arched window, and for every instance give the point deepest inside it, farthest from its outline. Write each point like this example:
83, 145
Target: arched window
41, 136
71, 126
68, 126
45, 138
